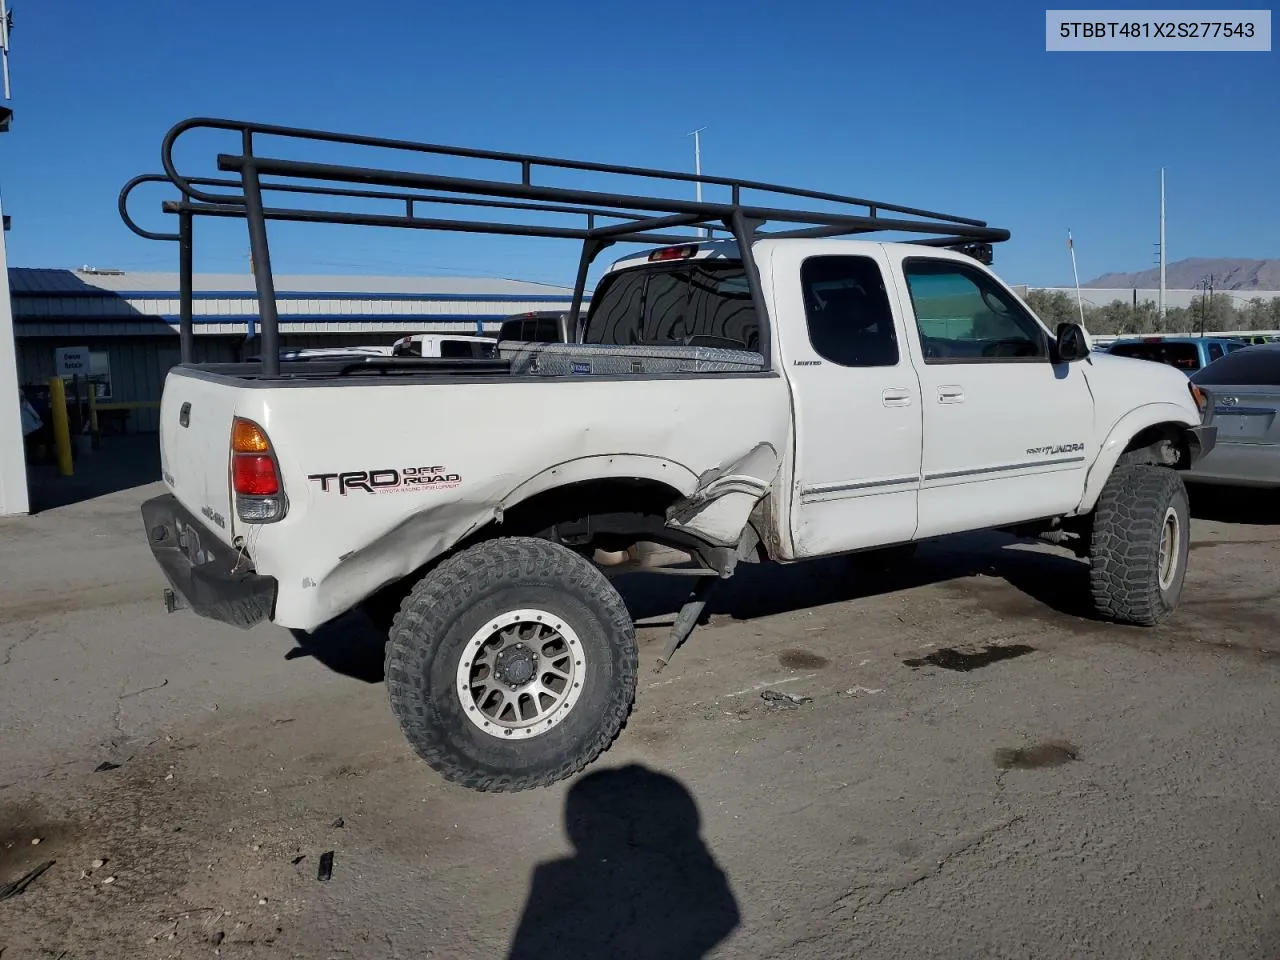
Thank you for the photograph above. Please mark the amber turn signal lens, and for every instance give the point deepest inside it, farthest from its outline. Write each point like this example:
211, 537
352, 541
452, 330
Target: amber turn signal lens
248, 437
1198, 395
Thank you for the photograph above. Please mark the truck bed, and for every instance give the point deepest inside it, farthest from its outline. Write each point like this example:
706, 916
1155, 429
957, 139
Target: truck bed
380, 480
516, 359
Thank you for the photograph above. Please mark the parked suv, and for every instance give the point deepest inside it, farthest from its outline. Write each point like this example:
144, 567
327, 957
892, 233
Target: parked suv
1187, 354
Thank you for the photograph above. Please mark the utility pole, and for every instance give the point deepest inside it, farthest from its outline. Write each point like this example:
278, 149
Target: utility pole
1163, 259
5, 19
1206, 299
14, 496
1209, 308
697, 167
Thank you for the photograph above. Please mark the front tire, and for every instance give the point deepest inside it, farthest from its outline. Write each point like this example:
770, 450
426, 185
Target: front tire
1140, 542
512, 665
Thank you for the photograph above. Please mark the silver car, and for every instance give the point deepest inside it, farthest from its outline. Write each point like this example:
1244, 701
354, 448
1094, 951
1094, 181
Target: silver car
1242, 399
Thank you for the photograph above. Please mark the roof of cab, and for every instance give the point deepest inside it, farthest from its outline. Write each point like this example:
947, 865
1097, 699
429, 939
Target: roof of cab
703, 250
728, 250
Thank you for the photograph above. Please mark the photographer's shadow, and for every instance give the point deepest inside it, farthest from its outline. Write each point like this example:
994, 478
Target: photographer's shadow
642, 884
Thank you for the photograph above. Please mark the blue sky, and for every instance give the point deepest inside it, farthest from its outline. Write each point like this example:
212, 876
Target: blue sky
954, 107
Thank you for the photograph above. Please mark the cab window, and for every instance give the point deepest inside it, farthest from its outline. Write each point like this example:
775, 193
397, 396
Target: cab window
705, 303
847, 311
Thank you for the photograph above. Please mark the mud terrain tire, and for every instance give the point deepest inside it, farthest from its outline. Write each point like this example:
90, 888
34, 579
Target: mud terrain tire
1140, 541
438, 657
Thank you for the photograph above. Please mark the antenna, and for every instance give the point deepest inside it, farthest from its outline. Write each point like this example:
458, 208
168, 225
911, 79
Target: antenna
697, 163
1071, 245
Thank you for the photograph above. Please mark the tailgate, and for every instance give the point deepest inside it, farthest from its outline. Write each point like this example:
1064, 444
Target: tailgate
195, 437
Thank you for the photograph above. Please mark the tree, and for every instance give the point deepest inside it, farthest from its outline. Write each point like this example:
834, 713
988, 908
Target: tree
1053, 307
1218, 313
1256, 315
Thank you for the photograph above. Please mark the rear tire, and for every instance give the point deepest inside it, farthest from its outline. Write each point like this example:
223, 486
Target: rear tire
1140, 540
512, 665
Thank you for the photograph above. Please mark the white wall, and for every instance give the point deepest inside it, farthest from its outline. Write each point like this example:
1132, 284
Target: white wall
13, 461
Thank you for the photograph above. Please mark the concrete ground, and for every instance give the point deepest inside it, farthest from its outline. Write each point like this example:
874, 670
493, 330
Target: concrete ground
1080, 790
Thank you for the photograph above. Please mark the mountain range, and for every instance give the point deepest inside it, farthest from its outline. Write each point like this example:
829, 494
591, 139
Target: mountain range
1228, 274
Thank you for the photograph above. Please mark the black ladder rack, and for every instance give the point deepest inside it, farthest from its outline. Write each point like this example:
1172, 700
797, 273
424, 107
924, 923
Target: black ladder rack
608, 217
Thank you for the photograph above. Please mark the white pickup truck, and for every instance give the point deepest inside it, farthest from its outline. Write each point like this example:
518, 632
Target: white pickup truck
820, 396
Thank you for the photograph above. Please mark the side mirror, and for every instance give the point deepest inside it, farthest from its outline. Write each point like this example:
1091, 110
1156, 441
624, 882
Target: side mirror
1072, 344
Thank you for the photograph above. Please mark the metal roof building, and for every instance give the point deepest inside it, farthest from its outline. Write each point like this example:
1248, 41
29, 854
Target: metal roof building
114, 303
129, 321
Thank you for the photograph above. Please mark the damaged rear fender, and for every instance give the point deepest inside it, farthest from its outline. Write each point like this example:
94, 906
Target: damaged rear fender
719, 509
395, 553
605, 467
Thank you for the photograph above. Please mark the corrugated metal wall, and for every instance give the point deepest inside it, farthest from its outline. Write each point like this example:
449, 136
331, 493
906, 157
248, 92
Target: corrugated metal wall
138, 366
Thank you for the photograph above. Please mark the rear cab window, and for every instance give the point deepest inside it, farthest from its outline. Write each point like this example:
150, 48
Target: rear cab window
700, 303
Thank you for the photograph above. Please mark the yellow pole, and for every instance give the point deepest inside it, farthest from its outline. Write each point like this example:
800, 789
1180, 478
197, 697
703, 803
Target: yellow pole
61, 428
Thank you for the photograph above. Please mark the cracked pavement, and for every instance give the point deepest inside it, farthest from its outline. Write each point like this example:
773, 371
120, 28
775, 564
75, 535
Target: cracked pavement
1104, 792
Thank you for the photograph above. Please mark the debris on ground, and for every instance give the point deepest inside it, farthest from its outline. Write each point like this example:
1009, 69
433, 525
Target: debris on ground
326, 866
17, 886
855, 691
783, 701
299, 858
106, 765
338, 824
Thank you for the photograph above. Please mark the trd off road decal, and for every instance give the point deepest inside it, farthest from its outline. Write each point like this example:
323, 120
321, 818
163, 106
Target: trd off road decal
1056, 450
404, 480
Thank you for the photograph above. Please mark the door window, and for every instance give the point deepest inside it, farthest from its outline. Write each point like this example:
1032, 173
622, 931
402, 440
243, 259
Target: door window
964, 316
847, 310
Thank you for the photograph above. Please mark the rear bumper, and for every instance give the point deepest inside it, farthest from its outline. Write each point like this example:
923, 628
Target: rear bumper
211, 577
1204, 439
1239, 465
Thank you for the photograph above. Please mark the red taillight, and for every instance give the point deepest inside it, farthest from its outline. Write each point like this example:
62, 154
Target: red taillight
673, 253
254, 475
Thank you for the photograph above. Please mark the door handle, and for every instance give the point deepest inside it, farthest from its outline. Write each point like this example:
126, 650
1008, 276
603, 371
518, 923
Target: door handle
896, 397
951, 394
